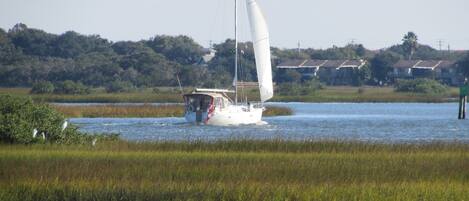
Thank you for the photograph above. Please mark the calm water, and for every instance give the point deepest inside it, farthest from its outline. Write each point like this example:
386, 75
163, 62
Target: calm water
365, 122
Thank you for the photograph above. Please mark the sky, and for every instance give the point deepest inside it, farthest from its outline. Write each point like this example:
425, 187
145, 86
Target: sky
312, 23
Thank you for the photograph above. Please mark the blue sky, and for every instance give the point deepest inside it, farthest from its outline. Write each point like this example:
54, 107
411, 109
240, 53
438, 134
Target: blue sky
315, 23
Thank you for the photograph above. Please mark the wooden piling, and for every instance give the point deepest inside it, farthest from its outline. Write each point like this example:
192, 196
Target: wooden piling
463, 93
464, 107
461, 107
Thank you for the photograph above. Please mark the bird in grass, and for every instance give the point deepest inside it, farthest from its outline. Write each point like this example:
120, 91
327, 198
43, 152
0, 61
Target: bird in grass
93, 143
43, 136
35, 133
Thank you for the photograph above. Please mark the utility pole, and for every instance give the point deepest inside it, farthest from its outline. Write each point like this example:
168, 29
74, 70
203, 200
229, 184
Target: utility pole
440, 44
299, 48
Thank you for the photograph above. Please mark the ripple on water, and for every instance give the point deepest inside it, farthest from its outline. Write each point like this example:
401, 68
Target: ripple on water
393, 122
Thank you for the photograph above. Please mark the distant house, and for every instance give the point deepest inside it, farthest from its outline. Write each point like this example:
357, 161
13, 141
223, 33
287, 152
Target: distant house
209, 54
443, 70
403, 69
330, 71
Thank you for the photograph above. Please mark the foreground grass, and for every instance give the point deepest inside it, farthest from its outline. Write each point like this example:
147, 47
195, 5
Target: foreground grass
235, 170
171, 95
141, 111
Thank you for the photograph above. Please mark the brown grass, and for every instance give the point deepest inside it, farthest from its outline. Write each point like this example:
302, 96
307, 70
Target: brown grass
141, 111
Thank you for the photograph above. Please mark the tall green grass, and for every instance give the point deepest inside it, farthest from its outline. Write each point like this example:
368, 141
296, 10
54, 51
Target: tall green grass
235, 170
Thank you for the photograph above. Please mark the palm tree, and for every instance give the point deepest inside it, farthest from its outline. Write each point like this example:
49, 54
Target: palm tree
410, 43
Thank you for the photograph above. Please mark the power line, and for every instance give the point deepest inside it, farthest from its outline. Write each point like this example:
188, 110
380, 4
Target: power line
440, 44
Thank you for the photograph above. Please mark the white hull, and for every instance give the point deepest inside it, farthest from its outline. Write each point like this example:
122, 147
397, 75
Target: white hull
230, 116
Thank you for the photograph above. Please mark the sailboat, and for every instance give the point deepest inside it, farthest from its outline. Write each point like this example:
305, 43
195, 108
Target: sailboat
214, 106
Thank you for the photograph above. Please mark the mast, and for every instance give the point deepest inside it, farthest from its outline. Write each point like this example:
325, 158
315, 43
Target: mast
236, 52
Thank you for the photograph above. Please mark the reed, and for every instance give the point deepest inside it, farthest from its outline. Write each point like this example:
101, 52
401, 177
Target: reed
272, 111
118, 111
141, 111
235, 170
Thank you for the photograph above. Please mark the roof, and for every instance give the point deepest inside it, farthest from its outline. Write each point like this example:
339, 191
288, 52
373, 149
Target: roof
427, 64
405, 63
353, 63
213, 95
322, 64
334, 63
424, 64
292, 63
314, 63
447, 64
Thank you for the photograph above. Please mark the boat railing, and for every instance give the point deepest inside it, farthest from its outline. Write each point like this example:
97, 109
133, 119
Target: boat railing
257, 104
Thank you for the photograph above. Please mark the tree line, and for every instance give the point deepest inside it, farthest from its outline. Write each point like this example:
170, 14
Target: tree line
30, 56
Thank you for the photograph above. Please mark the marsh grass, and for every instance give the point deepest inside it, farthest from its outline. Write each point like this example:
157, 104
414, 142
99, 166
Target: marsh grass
142, 111
171, 95
235, 170
117, 111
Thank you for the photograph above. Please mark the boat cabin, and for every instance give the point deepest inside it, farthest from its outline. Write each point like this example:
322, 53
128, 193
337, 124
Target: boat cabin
204, 102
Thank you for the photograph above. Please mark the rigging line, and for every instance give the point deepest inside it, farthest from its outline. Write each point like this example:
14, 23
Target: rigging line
215, 20
242, 73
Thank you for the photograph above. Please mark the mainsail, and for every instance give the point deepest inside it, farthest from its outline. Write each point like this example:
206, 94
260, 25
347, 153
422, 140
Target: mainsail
260, 39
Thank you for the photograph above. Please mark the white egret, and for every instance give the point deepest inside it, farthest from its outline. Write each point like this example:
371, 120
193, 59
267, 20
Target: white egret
43, 136
64, 125
35, 133
94, 142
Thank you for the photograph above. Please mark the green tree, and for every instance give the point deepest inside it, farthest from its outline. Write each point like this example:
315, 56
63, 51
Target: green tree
42, 87
119, 86
289, 76
32, 41
360, 50
410, 44
225, 57
381, 65
361, 76
70, 87
181, 49
72, 44
9, 54
463, 66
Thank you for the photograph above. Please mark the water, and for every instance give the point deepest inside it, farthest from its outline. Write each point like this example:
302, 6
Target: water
401, 122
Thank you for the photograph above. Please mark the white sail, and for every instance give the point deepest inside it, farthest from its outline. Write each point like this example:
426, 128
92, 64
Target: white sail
260, 39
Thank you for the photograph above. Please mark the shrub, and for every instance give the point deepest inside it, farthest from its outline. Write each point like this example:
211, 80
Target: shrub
361, 90
70, 87
156, 90
42, 87
19, 117
294, 89
119, 86
425, 86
